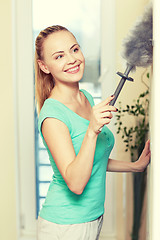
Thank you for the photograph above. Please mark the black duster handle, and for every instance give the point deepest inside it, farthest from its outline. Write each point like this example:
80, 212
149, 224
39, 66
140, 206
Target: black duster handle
121, 83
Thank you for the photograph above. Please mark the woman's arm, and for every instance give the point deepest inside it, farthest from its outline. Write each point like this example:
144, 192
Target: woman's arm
138, 166
76, 170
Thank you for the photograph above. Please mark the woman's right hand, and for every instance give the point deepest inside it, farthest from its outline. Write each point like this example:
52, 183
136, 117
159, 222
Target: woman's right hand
101, 115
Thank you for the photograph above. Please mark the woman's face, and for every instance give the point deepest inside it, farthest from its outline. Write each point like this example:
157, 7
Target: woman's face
62, 57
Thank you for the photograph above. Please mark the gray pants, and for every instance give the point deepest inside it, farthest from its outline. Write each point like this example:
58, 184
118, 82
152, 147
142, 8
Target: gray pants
83, 231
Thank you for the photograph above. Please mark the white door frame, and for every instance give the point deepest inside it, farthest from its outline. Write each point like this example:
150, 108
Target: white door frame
24, 117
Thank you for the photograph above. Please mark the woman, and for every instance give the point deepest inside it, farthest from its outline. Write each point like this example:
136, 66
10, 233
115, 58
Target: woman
77, 139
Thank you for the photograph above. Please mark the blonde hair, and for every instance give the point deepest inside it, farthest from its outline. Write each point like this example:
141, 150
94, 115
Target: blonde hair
44, 83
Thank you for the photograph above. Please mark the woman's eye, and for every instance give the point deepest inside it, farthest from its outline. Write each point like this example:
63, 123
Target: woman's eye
76, 50
60, 56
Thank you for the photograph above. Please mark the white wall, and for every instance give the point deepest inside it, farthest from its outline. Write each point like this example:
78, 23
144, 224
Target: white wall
7, 143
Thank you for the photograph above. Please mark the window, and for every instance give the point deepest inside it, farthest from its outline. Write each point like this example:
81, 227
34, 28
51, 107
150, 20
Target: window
84, 21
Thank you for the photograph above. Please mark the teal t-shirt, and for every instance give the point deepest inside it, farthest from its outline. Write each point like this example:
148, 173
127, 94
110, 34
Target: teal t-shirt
61, 205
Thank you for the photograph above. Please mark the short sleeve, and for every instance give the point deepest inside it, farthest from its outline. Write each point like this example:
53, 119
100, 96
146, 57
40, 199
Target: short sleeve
53, 109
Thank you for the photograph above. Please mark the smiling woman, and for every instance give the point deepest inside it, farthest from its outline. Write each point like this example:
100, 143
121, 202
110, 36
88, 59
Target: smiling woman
69, 125
71, 128
84, 22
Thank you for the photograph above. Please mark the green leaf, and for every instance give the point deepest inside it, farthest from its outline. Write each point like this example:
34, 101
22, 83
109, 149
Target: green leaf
141, 95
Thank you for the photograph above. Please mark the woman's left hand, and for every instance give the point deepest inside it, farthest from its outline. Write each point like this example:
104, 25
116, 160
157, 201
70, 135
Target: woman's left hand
144, 158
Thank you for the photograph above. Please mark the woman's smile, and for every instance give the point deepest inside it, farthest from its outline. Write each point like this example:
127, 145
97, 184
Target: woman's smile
73, 70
